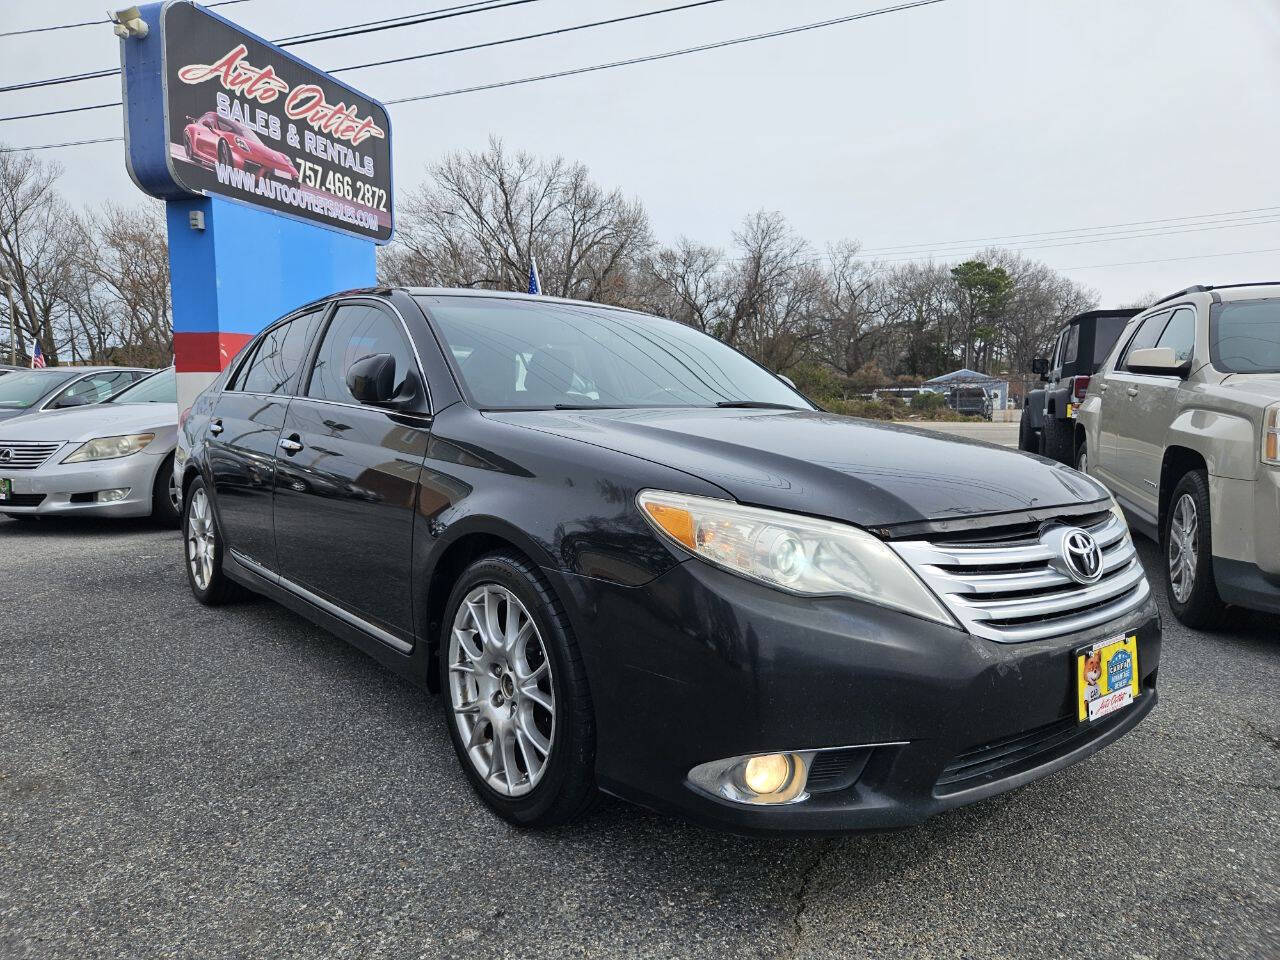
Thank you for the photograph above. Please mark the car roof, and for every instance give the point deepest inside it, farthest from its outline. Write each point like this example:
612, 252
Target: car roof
463, 292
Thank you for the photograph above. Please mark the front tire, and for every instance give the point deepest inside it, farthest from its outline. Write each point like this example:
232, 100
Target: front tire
515, 694
166, 496
1187, 538
203, 550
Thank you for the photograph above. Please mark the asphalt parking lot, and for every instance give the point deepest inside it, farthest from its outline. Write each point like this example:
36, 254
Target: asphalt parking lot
184, 782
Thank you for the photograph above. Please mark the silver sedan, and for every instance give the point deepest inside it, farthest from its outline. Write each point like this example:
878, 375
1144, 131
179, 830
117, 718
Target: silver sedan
110, 459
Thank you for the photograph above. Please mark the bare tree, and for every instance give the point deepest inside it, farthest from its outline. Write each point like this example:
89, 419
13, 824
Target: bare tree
686, 282
38, 240
481, 218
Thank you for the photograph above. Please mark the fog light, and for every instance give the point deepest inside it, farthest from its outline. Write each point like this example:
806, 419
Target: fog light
766, 779
111, 496
767, 774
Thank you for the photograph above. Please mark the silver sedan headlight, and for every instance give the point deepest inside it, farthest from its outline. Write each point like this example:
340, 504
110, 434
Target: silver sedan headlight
791, 552
110, 448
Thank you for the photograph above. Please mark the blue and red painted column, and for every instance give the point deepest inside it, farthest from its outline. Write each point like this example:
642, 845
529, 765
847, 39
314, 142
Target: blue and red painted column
245, 268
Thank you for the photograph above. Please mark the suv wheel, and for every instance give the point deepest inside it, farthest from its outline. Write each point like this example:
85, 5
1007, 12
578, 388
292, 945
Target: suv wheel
203, 550
1058, 438
515, 694
1188, 546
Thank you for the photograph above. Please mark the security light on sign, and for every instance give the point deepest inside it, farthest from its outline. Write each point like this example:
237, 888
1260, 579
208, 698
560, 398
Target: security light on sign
129, 23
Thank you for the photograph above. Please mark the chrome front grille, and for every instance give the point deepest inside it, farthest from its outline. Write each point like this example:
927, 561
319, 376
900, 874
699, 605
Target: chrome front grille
24, 454
1017, 589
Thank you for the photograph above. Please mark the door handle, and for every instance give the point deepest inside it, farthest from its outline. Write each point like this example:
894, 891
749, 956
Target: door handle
291, 445
215, 426
1132, 392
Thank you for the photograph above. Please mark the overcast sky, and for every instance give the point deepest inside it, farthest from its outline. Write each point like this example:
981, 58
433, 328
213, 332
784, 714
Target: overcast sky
965, 119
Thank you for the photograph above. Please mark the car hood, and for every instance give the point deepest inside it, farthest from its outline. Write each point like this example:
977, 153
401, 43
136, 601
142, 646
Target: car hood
859, 471
96, 420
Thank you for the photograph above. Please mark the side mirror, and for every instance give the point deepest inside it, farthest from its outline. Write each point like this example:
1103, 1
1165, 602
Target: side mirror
1159, 361
372, 379
1040, 365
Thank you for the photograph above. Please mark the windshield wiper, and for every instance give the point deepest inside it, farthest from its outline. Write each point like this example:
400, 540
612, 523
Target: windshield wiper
757, 405
587, 406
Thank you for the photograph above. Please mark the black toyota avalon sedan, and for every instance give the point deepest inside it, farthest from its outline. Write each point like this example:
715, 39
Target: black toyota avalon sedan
630, 560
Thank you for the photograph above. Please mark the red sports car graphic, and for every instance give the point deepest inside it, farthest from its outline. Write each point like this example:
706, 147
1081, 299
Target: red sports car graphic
212, 138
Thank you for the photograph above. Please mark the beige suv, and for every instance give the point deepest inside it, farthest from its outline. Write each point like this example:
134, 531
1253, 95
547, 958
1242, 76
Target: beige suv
1180, 423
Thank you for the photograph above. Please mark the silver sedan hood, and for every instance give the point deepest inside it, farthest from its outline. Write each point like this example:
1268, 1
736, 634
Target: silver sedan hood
96, 420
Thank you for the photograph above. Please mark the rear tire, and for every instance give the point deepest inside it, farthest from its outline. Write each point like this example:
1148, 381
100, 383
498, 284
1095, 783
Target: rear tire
203, 550
1187, 541
1058, 439
528, 787
1027, 438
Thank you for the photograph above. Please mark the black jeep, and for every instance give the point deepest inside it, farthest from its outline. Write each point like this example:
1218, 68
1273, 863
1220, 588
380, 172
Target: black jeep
1048, 420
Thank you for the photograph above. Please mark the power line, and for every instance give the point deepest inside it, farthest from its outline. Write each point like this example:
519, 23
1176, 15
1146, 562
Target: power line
1093, 240
669, 54
415, 56
352, 30
94, 23
54, 146
1202, 256
939, 244
527, 36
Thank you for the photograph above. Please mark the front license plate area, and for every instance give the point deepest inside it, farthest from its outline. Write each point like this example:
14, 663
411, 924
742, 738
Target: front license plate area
6, 489
1106, 677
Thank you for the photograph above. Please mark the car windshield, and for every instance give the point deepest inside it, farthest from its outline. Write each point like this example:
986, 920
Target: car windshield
239, 129
160, 387
533, 355
20, 390
1244, 336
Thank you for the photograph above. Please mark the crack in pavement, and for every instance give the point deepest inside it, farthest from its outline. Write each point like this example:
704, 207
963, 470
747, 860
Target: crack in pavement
801, 895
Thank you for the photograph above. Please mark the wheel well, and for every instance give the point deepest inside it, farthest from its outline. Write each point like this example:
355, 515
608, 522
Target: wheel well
188, 475
457, 557
1178, 462
1079, 442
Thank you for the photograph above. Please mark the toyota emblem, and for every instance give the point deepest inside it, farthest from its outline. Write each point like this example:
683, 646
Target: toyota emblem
1082, 556
6, 454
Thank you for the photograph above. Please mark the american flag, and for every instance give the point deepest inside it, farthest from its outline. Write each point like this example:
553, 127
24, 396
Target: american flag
37, 357
535, 282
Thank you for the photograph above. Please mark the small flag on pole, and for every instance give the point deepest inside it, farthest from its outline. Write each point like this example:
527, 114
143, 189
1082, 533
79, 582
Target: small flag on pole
535, 282
37, 357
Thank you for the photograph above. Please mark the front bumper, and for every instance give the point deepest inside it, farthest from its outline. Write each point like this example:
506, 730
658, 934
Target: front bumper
700, 665
56, 489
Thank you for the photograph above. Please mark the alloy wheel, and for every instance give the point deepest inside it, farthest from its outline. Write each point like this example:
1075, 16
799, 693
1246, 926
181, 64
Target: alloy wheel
1184, 544
201, 539
500, 690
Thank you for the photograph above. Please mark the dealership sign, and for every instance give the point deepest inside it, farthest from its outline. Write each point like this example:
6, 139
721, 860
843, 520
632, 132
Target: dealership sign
233, 114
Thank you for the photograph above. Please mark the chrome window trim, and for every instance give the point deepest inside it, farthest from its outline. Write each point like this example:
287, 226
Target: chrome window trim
378, 633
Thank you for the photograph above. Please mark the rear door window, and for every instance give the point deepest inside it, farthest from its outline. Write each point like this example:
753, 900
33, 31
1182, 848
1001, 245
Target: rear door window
274, 368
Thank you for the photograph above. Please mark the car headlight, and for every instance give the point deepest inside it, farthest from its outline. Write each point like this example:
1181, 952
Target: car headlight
1270, 452
110, 448
793, 553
